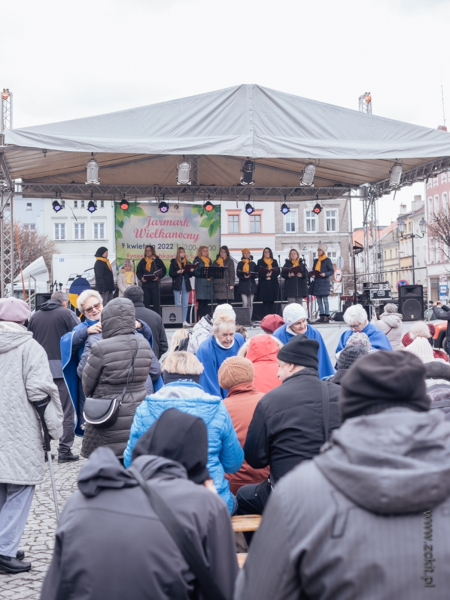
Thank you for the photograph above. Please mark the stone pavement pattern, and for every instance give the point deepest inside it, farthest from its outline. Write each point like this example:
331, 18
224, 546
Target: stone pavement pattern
38, 537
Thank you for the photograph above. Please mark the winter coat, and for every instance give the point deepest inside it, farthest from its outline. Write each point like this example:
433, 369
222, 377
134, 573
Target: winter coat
321, 285
295, 287
109, 514
268, 291
177, 278
104, 278
211, 355
106, 371
368, 518
122, 282
203, 286
154, 321
26, 379
378, 339
287, 426
241, 402
222, 286
201, 331
244, 284
48, 325
141, 270
262, 351
391, 325
225, 454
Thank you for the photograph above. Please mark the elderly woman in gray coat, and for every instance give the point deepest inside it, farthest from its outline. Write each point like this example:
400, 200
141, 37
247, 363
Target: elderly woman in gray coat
26, 379
106, 371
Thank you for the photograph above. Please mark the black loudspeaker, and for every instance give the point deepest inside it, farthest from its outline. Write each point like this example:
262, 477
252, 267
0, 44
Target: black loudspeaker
410, 302
41, 298
172, 315
243, 316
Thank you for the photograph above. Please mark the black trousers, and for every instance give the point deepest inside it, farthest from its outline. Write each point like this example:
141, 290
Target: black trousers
268, 308
251, 501
204, 308
68, 436
151, 297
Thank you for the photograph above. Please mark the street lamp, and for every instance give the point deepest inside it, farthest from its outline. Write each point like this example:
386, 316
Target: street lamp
410, 236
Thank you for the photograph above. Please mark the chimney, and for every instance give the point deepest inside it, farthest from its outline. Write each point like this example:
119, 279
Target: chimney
402, 210
442, 128
417, 204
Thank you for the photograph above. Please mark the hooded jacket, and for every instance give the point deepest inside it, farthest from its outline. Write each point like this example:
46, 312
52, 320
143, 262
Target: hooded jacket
48, 325
225, 454
106, 371
368, 518
201, 331
262, 351
391, 325
110, 544
26, 379
159, 339
104, 278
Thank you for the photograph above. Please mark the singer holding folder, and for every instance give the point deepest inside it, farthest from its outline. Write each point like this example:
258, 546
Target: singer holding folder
246, 271
149, 265
181, 286
295, 275
203, 287
268, 272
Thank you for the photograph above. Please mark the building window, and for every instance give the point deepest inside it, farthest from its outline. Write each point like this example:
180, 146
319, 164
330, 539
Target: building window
233, 223
99, 231
445, 202
102, 204
79, 231
82, 203
29, 206
75, 203
310, 221
29, 226
289, 222
255, 223
436, 205
331, 217
59, 231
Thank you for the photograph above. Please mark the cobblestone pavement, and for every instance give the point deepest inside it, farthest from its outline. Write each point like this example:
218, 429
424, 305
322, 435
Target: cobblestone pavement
38, 537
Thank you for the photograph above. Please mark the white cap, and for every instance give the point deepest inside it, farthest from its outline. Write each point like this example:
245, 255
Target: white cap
421, 347
225, 309
293, 313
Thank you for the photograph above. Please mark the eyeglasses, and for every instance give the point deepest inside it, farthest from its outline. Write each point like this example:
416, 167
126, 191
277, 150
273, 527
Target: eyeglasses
357, 327
93, 307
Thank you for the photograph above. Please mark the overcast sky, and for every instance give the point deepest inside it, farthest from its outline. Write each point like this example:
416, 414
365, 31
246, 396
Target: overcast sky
64, 60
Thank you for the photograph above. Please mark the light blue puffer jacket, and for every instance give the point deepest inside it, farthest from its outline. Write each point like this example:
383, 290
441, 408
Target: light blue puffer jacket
225, 454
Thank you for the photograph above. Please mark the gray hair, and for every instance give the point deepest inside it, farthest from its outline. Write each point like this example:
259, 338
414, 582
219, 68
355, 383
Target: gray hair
223, 321
355, 315
61, 296
85, 295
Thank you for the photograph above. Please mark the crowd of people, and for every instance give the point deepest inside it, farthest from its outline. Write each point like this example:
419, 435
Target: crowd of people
220, 425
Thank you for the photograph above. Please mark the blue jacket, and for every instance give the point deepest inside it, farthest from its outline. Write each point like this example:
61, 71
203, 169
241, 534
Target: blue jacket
325, 366
225, 454
211, 355
377, 338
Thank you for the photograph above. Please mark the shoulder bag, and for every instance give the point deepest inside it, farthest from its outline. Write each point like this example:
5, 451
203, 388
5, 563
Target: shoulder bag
103, 412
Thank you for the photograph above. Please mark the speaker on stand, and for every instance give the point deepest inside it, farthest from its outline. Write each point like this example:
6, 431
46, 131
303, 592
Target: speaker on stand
410, 302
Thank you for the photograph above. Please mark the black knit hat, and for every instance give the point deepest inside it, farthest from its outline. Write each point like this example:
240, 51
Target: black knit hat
348, 356
181, 437
302, 351
134, 293
382, 380
101, 251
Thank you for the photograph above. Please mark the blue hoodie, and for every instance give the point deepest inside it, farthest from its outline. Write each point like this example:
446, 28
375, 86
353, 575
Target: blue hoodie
225, 454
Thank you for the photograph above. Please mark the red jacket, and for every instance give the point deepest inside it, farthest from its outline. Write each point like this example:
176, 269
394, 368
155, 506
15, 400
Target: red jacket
262, 351
241, 402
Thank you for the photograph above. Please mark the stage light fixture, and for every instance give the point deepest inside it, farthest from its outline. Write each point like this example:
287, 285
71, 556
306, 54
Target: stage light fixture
184, 169
285, 208
124, 204
56, 206
163, 207
208, 206
249, 208
308, 174
92, 172
395, 174
247, 173
317, 209
91, 206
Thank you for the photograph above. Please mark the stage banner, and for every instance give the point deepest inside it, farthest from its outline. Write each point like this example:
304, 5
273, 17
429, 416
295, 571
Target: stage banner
189, 226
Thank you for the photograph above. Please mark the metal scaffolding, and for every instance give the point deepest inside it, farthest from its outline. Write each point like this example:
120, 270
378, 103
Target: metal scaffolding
365, 103
6, 205
371, 235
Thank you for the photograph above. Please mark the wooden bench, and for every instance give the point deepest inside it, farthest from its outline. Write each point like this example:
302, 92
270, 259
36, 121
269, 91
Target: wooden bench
243, 523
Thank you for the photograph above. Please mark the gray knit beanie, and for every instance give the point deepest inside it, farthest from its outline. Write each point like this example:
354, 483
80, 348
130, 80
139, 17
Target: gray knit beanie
348, 356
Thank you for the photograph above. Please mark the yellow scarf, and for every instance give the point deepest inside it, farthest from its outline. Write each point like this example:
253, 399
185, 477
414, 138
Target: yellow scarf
206, 260
129, 277
319, 262
219, 261
148, 263
268, 262
104, 260
246, 267
295, 263
183, 262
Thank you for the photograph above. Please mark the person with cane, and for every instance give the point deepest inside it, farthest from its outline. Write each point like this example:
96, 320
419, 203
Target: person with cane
27, 380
